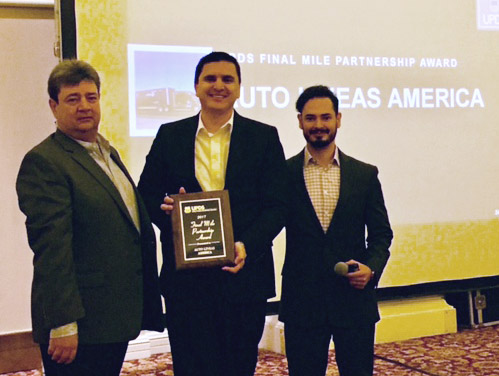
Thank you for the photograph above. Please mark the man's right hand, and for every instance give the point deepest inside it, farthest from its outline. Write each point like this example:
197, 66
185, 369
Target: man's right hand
167, 205
63, 349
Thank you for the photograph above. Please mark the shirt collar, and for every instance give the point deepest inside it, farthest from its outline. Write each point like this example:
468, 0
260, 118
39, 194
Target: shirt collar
229, 125
100, 145
308, 159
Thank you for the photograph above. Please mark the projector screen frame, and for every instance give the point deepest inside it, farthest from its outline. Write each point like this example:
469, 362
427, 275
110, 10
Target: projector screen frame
68, 29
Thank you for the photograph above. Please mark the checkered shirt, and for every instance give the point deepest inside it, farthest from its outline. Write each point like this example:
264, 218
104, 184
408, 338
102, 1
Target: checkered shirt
323, 186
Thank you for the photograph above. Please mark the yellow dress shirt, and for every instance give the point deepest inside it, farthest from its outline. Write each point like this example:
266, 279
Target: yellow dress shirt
211, 155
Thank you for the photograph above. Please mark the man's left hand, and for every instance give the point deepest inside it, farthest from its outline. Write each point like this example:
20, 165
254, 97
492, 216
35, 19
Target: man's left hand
63, 349
361, 277
240, 258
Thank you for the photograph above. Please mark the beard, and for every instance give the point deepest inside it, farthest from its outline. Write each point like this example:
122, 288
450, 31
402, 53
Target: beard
320, 139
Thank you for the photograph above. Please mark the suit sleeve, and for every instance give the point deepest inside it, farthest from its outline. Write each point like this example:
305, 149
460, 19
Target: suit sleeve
45, 198
379, 232
152, 185
273, 189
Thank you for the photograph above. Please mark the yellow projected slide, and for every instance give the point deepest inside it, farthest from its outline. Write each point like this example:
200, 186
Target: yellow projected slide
418, 85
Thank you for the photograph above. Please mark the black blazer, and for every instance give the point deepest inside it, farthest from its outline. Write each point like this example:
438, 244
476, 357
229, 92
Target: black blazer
91, 265
311, 292
255, 179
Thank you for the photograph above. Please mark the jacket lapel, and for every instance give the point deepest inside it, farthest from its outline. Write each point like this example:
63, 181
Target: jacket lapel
347, 185
119, 200
237, 150
185, 139
295, 165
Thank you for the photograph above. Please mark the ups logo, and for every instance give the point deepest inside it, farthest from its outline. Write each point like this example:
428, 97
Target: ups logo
194, 209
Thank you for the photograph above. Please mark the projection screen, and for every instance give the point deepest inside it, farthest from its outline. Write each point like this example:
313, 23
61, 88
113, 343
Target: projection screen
418, 83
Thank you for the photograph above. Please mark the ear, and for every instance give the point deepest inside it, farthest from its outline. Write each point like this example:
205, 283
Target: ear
53, 105
300, 124
338, 120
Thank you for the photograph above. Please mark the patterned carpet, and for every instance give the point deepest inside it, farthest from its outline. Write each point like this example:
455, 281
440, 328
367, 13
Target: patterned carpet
467, 353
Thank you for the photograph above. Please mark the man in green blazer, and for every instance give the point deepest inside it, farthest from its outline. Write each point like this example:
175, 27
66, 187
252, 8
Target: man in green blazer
334, 199
95, 284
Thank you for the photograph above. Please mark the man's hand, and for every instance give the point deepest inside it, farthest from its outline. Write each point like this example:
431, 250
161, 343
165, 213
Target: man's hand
63, 349
361, 277
240, 258
167, 205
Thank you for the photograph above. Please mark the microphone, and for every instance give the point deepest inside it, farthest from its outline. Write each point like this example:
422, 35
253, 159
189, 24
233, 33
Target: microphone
342, 268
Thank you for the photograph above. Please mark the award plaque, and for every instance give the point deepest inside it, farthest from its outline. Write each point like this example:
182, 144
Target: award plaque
202, 230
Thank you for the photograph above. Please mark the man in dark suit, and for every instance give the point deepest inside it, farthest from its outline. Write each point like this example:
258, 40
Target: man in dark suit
95, 283
215, 317
334, 198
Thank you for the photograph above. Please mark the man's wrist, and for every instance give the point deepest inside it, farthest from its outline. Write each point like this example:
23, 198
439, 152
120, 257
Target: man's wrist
64, 330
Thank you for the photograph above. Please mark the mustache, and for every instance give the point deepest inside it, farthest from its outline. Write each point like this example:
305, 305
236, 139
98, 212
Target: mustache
319, 131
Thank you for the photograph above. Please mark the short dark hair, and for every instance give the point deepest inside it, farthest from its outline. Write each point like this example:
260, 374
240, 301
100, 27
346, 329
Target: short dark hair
70, 73
214, 57
318, 91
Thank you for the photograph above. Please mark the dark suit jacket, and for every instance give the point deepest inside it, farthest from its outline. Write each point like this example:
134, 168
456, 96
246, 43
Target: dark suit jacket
91, 265
255, 179
311, 292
